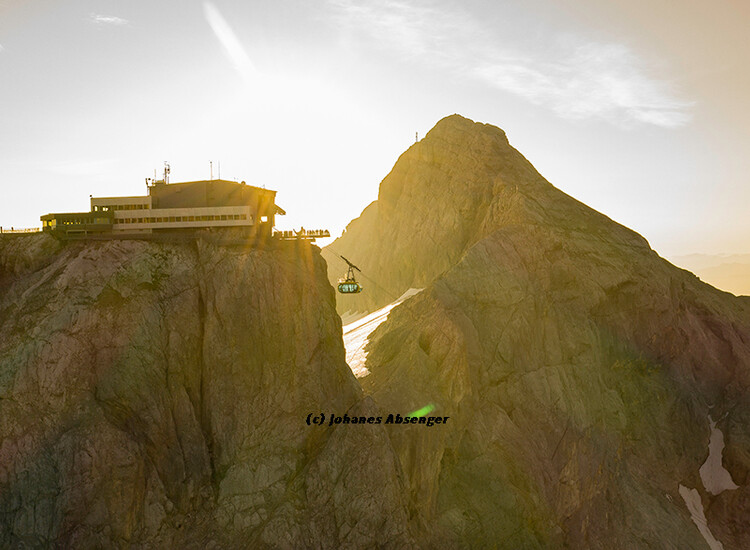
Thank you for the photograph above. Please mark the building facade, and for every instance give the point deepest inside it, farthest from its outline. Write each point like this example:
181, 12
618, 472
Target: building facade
173, 206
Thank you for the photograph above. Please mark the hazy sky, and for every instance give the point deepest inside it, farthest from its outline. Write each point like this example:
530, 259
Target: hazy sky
638, 108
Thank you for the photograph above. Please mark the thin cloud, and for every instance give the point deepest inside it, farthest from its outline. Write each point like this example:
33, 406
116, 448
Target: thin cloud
231, 44
579, 80
100, 19
414, 29
591, 80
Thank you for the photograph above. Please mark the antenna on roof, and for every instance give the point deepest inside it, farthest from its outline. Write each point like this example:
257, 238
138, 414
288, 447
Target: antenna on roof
211, 165
165, 179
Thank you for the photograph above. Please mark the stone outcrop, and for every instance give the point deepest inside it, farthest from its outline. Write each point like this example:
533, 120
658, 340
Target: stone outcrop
578, 368
155, 394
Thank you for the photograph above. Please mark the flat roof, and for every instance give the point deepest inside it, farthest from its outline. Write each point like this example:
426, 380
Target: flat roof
144, 197
215, 180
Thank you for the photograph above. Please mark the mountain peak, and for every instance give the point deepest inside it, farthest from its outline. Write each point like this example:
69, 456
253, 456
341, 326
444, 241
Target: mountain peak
456, 125
447, 192
577, 367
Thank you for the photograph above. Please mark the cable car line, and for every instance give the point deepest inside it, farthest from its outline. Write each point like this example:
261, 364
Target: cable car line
348, 284
351, 280
388, 293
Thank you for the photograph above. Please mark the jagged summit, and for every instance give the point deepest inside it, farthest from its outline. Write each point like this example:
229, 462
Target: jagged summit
459, 184
455, 124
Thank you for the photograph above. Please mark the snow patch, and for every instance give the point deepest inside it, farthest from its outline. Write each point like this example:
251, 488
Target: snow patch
350, 317
716, 479
694, 505
357, 334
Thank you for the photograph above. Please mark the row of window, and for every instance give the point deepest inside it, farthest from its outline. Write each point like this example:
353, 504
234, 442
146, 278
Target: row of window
121, 207
75, 221
182, 219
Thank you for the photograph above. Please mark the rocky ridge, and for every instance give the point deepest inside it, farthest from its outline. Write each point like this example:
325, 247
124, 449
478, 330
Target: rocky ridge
579, 368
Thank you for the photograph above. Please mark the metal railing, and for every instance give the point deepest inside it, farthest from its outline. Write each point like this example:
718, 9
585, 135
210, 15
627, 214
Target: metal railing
20, 229
306, 234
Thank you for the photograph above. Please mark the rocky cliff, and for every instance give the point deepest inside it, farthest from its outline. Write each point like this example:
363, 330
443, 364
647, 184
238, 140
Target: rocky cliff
580, 370
154, 394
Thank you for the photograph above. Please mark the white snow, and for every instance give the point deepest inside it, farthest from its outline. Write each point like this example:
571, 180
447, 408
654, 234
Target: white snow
694, 505
716, 479
357, 334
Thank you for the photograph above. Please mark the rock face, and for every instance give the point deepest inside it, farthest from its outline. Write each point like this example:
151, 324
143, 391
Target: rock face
155, 394
578, 368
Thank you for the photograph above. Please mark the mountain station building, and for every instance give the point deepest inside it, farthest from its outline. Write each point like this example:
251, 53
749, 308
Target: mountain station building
173, 206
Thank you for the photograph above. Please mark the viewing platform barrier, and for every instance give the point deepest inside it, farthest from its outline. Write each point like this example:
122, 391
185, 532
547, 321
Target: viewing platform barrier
20, 230
302, 234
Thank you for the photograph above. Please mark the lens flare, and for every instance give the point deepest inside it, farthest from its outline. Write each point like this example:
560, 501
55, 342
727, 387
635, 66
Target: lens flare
427, 409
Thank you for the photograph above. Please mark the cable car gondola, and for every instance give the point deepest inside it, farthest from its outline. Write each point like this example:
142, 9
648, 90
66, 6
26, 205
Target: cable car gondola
349, 284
